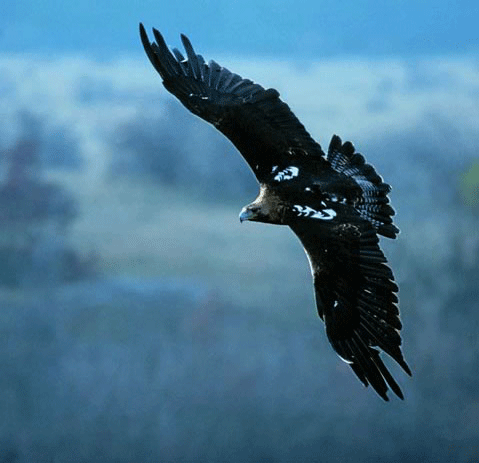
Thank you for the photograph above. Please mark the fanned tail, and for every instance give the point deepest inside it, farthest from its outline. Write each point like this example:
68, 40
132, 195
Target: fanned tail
374, 203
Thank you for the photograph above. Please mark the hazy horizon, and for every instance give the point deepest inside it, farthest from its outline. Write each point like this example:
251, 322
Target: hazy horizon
286, 30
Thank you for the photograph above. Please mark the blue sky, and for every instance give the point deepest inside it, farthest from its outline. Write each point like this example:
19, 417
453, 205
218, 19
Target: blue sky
270, 28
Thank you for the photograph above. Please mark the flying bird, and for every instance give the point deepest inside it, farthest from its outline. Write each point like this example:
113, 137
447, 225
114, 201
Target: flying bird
336, 204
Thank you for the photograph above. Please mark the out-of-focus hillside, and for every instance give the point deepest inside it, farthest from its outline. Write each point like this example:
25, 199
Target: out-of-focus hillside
144, 323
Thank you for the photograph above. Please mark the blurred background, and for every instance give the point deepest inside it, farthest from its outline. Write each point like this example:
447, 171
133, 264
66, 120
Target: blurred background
140, 322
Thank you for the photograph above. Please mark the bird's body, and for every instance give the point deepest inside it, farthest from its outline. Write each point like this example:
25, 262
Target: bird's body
336, 204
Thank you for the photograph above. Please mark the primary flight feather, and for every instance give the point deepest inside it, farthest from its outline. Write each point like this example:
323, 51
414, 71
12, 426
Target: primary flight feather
336, 204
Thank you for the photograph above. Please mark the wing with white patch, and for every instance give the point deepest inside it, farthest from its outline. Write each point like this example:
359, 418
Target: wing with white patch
259, 124
356, 296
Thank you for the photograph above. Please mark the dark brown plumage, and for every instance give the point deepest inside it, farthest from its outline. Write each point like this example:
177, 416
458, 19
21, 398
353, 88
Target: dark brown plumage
336, 204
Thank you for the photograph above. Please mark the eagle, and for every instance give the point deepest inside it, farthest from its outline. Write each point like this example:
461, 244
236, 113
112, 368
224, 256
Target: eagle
335, 203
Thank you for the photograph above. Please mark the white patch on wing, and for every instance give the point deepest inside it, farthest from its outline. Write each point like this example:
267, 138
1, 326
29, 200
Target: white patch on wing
274, 169
287, 174
201, 97
336, 199
306, 211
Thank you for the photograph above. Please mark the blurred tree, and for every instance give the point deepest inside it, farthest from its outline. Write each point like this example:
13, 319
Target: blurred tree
34, 218
469, 186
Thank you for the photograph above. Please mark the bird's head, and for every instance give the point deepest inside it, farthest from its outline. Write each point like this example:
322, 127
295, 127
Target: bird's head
262, 212
266, 208
252, 212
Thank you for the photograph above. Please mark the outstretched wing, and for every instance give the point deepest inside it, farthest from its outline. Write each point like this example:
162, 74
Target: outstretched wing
259, 124
355, 294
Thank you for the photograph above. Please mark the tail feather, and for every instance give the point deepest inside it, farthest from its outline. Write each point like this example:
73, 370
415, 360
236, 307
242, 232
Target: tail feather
374, 203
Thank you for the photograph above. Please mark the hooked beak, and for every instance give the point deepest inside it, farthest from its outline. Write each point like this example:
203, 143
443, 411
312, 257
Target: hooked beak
245, 214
